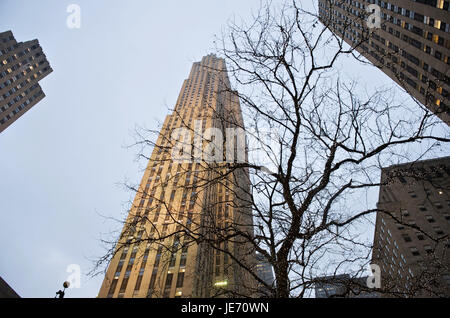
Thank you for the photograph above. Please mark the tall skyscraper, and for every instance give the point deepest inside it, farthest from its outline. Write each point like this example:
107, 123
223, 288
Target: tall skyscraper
174, 242
413, 250
411, 44
22, 66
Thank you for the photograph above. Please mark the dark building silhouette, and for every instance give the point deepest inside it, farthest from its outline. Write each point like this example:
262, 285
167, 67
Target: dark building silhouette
411, 45
22, 66
6, 291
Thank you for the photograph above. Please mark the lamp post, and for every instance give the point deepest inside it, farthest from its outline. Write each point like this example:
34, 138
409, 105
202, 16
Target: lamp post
60, 293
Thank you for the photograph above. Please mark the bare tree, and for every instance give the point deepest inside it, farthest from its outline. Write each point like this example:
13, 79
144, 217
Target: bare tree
316, 143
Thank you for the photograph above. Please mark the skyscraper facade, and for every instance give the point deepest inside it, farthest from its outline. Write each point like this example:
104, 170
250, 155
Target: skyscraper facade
22, 66
412, 247
174, 242
411, 42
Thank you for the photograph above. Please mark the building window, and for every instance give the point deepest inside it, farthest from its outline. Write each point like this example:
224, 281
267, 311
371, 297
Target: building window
438, 55
420, 236
173, 258
406, 237
428, 249
414, 251
180, 279
112, 288
438, 230
124, 285
169, 279
438, 205
138, 282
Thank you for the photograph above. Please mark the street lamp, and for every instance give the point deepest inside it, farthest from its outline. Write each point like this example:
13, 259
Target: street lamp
60, 293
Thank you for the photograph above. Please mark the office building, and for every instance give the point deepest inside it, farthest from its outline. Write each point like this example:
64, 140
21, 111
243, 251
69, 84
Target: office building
22, 66
412, 246
411, 44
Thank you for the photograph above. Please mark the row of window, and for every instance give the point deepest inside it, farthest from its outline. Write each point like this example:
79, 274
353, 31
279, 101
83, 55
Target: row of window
151, 287
440, 4
403, 77
356, 36
19, 55
418, 31
20, 107
19, 97
25, 66
414, 29
415, 16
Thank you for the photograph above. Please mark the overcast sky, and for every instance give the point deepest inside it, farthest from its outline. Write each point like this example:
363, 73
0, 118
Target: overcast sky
61, 163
